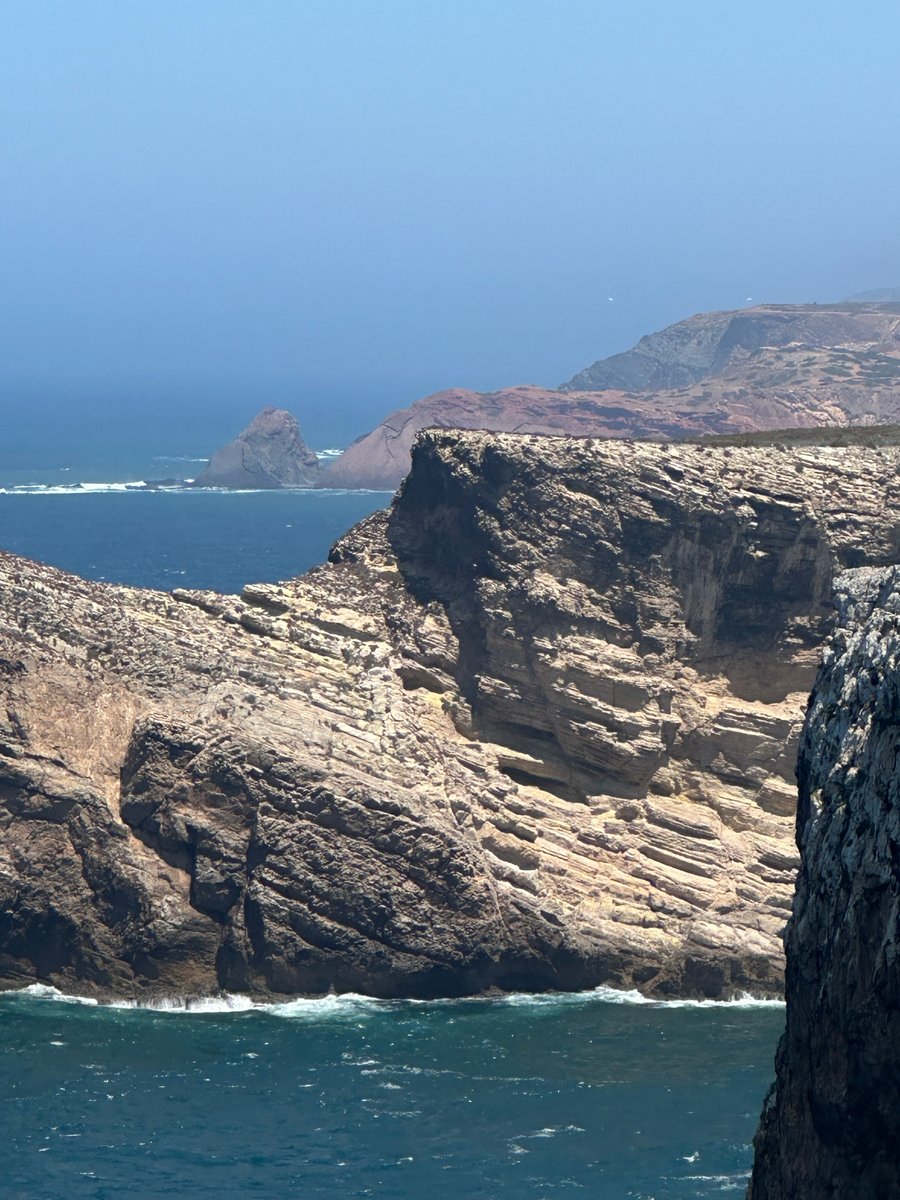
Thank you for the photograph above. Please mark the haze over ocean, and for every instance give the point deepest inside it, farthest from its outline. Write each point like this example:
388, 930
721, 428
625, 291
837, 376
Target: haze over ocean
340, 207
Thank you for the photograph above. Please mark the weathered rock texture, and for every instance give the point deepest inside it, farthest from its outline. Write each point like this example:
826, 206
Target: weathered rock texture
769, 367
536, 728
270, 453
831, 1126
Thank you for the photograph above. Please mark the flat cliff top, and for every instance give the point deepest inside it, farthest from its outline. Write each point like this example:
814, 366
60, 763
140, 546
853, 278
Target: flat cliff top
767, 345
534, 728
765, 368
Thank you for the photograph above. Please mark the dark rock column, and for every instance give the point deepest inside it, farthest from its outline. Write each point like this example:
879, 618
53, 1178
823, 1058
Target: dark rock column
831, 1124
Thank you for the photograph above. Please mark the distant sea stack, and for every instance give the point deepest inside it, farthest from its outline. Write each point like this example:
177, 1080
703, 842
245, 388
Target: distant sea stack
270, 453
773, 366
831, 1124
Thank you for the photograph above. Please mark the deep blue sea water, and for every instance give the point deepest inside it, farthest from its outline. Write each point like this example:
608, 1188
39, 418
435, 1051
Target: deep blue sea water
526, 1097
80, 512
522, 1097
202, 539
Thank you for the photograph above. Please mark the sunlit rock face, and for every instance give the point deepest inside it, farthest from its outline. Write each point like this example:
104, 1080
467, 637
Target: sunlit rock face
535, 727
831, 1125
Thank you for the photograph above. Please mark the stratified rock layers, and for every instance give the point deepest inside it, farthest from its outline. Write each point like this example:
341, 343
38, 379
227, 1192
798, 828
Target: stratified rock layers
831, 1126
535, 728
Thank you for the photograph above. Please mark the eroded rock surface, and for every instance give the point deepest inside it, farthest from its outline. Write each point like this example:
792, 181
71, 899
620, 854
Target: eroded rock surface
269, 453
831, 1126
536, 728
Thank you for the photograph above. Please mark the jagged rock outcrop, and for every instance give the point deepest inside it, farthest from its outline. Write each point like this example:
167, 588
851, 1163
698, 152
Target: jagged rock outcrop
270, 453
831, 1125
534, 728
768, 367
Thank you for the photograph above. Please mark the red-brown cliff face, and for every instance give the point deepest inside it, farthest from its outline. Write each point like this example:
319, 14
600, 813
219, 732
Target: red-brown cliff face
769, 367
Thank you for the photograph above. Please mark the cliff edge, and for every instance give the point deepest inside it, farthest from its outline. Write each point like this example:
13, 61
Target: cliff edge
773, 366
831, 1125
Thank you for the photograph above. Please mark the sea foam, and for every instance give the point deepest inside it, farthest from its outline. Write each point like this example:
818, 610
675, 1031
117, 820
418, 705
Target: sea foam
354, 1004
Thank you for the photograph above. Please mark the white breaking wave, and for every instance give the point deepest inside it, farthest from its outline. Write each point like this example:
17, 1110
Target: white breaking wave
608, 995
182, 487
354, 1004
328, 453
70, 489
226, 1003
43, 991
745, 1000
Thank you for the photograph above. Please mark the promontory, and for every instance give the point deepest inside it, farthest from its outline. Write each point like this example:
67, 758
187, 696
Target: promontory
770, 366
534, 727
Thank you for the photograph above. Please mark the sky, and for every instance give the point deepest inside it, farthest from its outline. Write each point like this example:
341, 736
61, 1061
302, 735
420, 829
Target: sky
342, 205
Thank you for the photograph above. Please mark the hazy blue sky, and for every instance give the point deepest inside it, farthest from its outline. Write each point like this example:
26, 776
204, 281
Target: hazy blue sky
344, 204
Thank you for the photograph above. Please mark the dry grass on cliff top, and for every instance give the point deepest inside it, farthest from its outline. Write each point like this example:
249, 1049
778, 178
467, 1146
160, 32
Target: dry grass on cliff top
870, 436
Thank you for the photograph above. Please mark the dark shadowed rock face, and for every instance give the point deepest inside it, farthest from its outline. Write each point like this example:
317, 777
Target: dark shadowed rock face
831, 1126
535, 729
270, 453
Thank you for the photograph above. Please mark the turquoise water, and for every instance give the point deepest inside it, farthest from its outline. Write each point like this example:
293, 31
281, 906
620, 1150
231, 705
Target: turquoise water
519, 1097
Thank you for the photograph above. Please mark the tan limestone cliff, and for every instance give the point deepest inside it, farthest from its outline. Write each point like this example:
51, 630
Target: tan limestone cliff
535, 728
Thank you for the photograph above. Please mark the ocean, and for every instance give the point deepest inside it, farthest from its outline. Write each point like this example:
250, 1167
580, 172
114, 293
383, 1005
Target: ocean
597, 1094
600, 1094
89, 515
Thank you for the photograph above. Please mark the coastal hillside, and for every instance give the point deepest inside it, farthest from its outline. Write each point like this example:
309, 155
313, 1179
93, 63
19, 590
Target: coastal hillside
768, 367
535, 727
769, 346
829, 1126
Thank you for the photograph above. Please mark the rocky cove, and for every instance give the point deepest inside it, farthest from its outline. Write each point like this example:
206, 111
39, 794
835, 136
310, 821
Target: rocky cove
535, 727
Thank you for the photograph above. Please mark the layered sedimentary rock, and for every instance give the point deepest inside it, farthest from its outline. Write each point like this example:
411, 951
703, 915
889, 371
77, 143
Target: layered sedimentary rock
534, 728
269, 453
831, 1125
767, 367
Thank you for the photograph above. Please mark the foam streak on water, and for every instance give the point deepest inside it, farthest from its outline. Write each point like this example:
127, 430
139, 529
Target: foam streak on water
355, 1003
519, 1096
